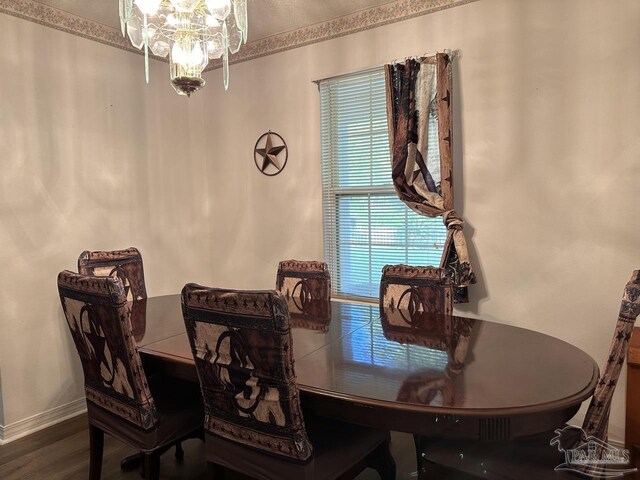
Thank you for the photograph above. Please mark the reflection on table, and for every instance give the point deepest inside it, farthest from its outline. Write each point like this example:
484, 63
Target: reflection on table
447, 361
408, 371
310, 314
315, 324
441, 336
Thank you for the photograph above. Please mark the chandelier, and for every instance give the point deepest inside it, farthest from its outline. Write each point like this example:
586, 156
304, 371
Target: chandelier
190, 32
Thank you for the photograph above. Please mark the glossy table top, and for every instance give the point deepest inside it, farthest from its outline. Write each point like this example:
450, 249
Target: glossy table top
415, 361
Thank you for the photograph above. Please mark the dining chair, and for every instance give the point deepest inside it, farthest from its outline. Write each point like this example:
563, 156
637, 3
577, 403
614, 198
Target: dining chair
535, 457
149, 414
415, 290
304, 280
242, 348
127, 266
124, 264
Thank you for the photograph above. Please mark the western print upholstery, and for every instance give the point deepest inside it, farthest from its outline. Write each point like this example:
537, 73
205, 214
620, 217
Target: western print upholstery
304, 280
596, 420
242, 347
415, 292
123, 264
98, 316
312, 315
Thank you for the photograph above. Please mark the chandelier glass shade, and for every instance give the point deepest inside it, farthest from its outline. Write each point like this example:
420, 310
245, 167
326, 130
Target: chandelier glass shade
189, 32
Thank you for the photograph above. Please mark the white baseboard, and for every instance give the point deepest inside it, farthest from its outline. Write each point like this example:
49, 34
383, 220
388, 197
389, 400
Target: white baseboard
29, 425
616, 443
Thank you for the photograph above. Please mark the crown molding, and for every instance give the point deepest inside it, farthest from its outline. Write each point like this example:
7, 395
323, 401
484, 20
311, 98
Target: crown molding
66, 22
385, 14
392, 12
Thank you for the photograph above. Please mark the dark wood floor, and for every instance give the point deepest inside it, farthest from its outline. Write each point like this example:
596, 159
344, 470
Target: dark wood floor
62, 452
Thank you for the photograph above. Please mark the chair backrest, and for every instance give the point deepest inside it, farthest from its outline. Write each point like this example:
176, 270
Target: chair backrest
98, 316
416, 289
307, 280
596, 420
242, 348
124, 264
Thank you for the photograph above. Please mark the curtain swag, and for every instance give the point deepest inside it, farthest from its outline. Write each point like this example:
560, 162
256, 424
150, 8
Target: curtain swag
417, 89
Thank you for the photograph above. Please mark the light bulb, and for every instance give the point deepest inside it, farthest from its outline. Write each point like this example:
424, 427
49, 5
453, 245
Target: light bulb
172, 20
189, 55
212, 21
196, 55
151, 31
178, 55
148, 7
219, 8
216, 45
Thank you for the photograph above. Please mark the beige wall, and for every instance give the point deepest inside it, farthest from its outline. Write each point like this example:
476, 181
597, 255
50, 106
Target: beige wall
546, 146
91, 158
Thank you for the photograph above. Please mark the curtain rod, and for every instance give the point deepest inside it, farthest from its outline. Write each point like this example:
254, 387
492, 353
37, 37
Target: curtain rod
454, 54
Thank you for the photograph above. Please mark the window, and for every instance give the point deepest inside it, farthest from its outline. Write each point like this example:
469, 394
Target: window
366, 226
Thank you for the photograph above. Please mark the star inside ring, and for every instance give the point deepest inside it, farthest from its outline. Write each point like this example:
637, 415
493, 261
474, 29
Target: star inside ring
270, 154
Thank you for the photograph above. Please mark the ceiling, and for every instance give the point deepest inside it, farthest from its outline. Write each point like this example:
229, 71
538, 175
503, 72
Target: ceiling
266, 17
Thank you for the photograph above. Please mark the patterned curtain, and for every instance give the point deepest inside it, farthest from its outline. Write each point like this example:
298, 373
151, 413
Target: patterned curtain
419, 104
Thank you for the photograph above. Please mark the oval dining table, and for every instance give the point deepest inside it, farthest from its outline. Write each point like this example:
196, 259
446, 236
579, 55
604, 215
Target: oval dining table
426, 374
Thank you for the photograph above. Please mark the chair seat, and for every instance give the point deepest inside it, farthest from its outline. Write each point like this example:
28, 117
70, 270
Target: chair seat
179, 411
337, 448
530, 458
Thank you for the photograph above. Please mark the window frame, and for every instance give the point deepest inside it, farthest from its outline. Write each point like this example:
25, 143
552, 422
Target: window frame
332, 192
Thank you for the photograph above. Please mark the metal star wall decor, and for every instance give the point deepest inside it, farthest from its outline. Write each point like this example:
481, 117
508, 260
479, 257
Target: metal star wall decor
270, 155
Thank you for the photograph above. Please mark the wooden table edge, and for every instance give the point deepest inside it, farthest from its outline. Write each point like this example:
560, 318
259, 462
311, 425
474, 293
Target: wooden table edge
570, 401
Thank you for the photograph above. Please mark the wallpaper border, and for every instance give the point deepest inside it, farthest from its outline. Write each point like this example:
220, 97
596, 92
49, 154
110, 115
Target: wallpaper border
380, 15
60, 20
392, 12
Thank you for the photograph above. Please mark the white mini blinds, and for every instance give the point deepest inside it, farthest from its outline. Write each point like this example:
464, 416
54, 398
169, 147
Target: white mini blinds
366, 226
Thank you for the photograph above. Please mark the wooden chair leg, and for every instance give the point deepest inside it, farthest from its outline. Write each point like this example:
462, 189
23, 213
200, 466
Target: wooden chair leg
138, 459
179, 452
141, 467
215, 471
383, 462
420, 458
131, 462
428, 470
96, 446
152, 466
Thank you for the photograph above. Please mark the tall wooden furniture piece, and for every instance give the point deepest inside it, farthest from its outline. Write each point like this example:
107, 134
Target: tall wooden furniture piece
535, 458
304, 280
242, 349
150, 415
416, 290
